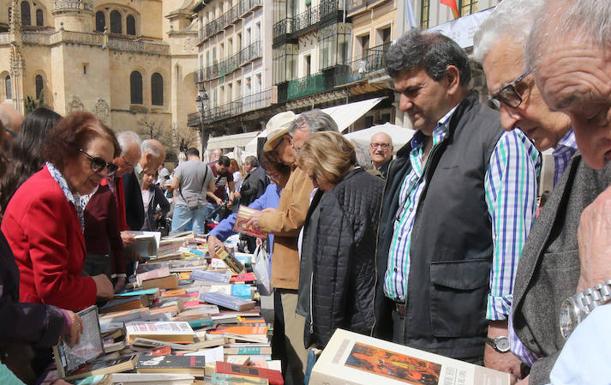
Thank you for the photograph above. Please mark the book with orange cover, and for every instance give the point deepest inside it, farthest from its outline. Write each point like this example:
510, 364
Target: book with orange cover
273, 376
168, 282
174, 293
242, 218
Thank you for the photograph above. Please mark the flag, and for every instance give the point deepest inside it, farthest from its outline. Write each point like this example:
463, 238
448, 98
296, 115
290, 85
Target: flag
453, 6
411, 19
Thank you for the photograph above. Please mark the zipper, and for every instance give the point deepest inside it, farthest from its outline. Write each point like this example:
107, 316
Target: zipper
311, 308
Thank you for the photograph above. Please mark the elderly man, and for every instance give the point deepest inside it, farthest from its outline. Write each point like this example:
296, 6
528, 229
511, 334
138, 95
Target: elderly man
285, 223
499, 46
380, 151
152, 156
569, 51
447, 244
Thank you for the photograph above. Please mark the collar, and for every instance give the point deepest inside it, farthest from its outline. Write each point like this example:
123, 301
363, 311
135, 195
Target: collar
568, 140
63, 184
138, 169
440, 130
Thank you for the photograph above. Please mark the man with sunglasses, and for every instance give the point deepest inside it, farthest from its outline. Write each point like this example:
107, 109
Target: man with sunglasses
458, 203
549, 268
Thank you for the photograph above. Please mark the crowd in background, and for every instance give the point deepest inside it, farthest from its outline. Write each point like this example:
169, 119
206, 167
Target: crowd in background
444, 248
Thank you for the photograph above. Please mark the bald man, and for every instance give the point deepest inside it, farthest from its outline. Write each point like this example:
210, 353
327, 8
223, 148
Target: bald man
380, 151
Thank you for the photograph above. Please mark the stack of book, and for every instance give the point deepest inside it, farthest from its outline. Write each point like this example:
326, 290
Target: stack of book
186, 319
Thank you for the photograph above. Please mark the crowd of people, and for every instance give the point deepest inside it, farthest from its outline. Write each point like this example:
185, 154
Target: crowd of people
444, 248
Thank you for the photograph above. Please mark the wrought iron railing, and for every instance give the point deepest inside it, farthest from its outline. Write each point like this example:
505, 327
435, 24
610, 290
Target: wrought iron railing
372, 60
283, 27
250, 53
326, 10
248, 5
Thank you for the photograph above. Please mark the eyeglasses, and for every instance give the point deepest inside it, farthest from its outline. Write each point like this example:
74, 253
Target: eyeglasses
383, 146
509, 94
98, 164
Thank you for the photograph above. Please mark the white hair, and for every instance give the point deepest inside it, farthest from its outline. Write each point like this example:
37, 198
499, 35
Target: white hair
127, 139
511, 18
583, 20
150, 146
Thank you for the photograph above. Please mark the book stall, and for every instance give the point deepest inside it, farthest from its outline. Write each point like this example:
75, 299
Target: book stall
186, 319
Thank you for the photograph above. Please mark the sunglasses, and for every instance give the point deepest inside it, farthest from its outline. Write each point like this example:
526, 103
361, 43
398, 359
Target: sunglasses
98, 164
509, 94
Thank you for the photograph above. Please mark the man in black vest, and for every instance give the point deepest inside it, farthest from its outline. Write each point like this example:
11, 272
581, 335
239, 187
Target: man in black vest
459, 201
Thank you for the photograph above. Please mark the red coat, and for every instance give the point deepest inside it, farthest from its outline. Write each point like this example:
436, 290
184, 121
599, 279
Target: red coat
45, 234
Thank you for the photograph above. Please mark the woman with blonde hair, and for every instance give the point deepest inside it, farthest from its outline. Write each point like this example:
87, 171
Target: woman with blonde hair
336, 284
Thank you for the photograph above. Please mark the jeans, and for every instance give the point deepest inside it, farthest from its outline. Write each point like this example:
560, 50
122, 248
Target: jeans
185, 219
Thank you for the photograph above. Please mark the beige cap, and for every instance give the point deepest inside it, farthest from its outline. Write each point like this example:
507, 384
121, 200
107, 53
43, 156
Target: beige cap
277, 127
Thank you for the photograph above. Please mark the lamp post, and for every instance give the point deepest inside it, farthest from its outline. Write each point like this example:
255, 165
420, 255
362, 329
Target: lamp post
201, 100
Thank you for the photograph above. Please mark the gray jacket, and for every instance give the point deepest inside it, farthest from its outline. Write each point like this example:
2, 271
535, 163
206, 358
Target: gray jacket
549, 268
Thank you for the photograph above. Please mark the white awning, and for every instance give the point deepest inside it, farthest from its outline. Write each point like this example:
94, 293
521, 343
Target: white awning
231, 141
399, 135
347, 114
463, 29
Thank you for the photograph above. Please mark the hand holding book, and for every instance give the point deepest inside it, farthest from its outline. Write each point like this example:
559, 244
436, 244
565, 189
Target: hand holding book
247, 222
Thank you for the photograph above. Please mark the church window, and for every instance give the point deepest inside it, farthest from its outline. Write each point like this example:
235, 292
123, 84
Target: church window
39, 86
26, 17
135, 85
100, 21
40, 18
115, 22
8, 87
157, 89
131, 25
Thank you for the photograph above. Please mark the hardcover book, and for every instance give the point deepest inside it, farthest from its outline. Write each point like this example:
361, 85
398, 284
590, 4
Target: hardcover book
194, 365
228, 301
354, 359
104, 366
241, 223
273, 377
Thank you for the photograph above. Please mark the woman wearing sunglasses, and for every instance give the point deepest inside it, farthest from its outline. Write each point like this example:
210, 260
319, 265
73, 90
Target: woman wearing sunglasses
43, 222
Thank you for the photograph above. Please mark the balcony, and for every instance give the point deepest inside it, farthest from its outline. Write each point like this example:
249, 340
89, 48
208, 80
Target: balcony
257, 101
373, 60
250, 53
325, 12
208, 73
283, 31
248, 5
315, 84
72, 5
229, 65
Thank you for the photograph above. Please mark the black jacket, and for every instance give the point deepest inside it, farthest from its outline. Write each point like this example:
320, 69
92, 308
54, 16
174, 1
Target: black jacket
22, 325
155, 199
134, 208
337, 261
253, 186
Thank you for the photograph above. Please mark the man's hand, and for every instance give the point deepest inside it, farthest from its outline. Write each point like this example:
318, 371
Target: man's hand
74, 327
103, 286
253, 222
120, 284
127, 237
594, 236
213, 244
505, 362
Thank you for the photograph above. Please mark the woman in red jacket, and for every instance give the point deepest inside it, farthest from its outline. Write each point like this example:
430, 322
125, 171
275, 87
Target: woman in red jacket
43, 222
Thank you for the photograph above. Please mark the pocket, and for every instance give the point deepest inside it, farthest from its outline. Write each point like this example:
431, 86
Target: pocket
459, 293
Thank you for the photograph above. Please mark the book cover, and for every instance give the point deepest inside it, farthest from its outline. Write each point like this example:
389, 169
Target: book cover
249, 350
228, 301
210, 276
104, 366
229, 379
160, 272
194, 365
69, 359
354, 359
273, 377
177, 332
245, 330
244, 277
145, 243
241, 223
167, 282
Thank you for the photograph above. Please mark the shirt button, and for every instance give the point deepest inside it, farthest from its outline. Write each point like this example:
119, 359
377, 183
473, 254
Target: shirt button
395, 269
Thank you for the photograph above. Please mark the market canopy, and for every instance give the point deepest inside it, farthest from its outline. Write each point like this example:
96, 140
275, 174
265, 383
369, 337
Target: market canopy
231, 141
346, 114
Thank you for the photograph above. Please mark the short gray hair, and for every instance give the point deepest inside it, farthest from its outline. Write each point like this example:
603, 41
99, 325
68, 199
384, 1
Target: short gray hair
127, 139
315, 121
511, 18
150, 146
429, 51
583, 20
252, 160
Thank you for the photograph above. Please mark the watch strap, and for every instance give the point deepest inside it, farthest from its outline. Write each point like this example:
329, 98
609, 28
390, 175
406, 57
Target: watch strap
593, 297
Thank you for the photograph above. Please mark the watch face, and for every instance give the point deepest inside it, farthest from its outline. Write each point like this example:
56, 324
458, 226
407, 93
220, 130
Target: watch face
502, 344
568, 318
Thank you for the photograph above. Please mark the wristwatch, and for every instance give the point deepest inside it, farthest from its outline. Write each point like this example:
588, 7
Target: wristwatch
575, 309
500, 344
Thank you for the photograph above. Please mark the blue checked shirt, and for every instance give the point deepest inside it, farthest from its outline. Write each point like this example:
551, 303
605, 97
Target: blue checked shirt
510, 186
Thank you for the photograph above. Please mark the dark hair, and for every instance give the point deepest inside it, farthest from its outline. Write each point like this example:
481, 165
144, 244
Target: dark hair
25, 154
223, 161
430, 51
72, 134
193, 152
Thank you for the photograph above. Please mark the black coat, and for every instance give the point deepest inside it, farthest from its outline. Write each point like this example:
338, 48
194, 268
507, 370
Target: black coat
338, 255
134, 208
253, 186
156, 199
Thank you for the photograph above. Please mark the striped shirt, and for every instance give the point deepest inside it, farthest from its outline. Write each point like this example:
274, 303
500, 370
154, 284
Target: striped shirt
563, 153
510, 192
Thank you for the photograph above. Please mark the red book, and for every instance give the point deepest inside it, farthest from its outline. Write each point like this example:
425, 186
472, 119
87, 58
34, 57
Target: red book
274, 377
244, 277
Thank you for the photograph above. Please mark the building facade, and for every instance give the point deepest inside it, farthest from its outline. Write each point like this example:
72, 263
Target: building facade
131, 62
